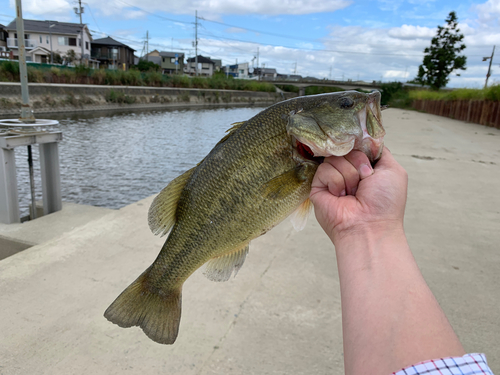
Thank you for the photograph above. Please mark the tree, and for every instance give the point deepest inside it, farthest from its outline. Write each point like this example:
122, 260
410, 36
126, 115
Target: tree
442, 58
147, 66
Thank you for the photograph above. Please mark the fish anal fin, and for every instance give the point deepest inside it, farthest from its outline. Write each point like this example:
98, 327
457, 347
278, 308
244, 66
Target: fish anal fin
221, 268
161, 215
157, 312
301, 214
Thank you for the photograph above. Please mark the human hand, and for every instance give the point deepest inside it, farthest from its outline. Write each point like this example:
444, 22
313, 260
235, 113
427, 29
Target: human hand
350, 197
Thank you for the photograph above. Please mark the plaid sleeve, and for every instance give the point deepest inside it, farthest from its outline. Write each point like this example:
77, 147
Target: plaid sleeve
469, 364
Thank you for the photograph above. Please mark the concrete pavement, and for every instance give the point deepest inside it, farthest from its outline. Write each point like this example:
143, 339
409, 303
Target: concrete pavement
281, 314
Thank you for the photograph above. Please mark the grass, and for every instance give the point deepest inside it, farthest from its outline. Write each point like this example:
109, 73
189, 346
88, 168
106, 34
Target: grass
9, 72
490, 93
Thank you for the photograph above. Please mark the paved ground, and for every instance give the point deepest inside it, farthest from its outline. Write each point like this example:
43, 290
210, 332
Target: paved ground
281, 314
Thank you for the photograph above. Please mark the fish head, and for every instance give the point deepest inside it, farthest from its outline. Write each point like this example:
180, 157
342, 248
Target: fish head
338, 123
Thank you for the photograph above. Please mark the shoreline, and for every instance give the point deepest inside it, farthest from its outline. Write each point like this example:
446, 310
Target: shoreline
63, 98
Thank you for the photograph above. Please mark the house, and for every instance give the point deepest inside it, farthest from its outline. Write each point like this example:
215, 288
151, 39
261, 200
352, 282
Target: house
266, 73
41, 38
217, 65
236, 70
112, 54
206, 66
3, 38
172, 62
153, 56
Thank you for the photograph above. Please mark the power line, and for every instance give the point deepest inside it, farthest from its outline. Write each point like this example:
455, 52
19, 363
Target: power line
154, 14
260, 31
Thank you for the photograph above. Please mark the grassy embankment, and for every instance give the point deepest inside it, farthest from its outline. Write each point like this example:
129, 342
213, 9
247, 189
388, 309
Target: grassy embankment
9, 72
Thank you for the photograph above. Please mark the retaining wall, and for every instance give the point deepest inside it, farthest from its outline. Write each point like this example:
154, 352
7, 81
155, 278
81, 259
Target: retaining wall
45, 98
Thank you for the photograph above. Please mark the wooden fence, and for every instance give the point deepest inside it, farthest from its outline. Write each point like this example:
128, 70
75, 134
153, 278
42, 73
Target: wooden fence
484, 112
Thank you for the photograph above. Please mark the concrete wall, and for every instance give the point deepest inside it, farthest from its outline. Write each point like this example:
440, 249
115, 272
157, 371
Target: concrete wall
46, 98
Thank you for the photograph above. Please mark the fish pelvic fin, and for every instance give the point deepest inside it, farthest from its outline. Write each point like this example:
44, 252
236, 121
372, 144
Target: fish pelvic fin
157, 312
301, 214
220, 268
161, 215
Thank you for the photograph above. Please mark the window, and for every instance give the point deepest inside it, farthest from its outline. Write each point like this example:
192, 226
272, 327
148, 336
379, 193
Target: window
47, 39
79, 42
41, 41
172, 60
66, 41
86, 45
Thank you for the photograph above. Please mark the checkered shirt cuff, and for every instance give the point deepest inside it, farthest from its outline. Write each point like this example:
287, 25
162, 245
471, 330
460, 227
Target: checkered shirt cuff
469, 364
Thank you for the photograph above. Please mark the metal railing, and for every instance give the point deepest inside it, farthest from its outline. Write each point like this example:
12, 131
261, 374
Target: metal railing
28, 43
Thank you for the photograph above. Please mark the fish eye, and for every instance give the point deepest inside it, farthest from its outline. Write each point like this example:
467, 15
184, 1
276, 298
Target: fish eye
346, 102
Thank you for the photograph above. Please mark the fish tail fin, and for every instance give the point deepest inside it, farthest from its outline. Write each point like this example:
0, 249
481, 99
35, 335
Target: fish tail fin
157, 312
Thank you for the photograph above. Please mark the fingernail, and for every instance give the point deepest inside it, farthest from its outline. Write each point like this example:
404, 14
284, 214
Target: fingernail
342, 193
365, 171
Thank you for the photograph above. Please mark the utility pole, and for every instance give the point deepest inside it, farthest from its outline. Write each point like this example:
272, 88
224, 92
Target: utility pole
331, 67
196, 41
295, 70
147, 45
489, 67
258, 61
79, 11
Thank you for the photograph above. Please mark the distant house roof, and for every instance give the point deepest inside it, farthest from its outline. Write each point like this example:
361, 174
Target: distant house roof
108, 41
171, 54
201, 59
2, 26
43, 27
266, 70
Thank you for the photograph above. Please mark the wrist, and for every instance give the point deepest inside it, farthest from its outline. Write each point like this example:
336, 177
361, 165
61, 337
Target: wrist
369, 236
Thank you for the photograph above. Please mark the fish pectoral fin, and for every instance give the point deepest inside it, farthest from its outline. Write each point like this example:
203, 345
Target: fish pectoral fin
301, 214
161, 215
285, 184
221, 268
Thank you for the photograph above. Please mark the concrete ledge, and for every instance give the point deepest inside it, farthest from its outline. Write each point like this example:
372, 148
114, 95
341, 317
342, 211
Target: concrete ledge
281, 314
18, 237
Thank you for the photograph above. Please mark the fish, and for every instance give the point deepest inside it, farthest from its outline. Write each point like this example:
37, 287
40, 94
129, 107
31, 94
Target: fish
258, 174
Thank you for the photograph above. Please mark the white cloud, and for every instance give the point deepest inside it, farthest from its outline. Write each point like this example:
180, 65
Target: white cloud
411, 32
489, 11
61, 10
217, 7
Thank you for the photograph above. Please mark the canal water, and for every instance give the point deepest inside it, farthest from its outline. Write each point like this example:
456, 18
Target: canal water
112, 160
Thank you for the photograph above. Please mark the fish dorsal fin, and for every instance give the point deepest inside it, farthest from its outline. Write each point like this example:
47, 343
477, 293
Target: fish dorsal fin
161, 215
283, 185
221, 268
235, 126
301, 214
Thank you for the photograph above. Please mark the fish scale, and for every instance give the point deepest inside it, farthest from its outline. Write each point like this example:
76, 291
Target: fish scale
251, 180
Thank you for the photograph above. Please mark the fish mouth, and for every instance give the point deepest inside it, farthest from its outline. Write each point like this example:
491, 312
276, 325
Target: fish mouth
370, 121
305, 151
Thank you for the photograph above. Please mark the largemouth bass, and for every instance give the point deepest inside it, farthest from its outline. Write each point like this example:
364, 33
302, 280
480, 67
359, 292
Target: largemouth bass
256, 176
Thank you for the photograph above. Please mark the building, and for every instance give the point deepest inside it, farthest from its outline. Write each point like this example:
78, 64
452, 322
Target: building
42, 38
3, 38
265, 73
172, 62
236, 70
153, 56
112, 54
206, 66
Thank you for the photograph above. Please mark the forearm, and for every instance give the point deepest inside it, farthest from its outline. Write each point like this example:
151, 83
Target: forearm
390, 317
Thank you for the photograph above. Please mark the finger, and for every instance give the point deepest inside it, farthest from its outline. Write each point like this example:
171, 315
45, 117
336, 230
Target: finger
347, 170
327, 177
361, 163
386, 161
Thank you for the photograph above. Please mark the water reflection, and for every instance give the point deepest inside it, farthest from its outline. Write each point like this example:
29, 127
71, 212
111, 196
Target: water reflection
116, 159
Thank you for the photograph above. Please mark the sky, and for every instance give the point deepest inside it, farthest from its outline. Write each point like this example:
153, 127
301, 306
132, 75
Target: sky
338, 39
